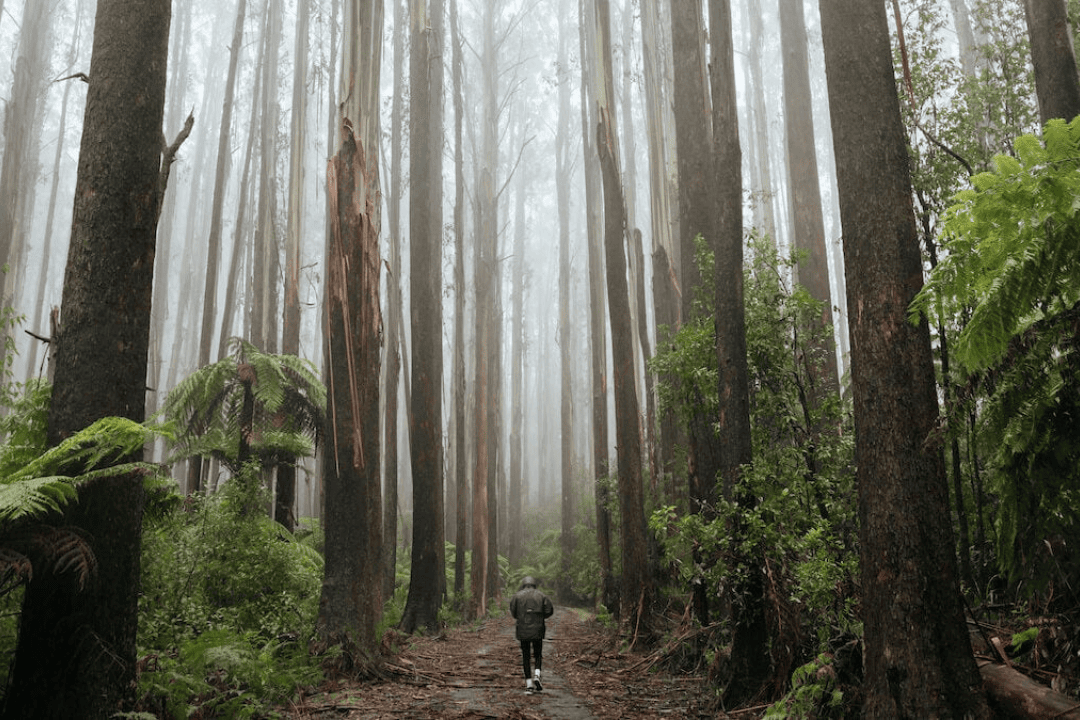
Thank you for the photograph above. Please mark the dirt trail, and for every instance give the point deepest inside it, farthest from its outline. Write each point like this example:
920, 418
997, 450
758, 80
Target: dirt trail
475, 672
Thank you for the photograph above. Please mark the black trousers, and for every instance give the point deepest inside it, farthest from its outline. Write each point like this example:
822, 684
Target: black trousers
534, 648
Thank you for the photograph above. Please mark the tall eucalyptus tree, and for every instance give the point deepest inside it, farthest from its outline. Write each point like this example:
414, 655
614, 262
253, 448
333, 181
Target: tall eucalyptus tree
425, 282
638, 592
906, 552
350, 604
76, 650
749, 647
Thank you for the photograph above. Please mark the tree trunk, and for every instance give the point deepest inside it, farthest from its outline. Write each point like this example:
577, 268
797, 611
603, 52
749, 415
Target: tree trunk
460, 389
918, 660
749, 648
665, 300
164, 269
765, 216
285, 484
425, 226
597, 327
393, 314
234, 284
515, 536
1015, 695
1056, 81
221, 176
693, 129
19, 170
265, 265
350, 604
566, 420
808, 227
638, 593
101, 371
40, 303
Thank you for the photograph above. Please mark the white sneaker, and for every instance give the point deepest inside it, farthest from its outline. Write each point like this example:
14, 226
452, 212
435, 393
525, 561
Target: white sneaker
528, 687
536, 681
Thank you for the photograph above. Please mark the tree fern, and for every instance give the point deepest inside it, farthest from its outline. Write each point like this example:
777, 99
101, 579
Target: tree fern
1013, 242
1010, 285
289, 405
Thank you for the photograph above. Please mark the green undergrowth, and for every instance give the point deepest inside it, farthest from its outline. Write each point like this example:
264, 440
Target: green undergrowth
228, 602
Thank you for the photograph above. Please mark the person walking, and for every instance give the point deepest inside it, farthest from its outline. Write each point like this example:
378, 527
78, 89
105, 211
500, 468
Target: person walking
531, 608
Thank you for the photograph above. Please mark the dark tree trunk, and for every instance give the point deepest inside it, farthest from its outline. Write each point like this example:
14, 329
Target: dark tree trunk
749, 648
1052, 54
597, 329
918, 660
697, 218
350, 604
351, 600
102, 347
425, 416
637, 582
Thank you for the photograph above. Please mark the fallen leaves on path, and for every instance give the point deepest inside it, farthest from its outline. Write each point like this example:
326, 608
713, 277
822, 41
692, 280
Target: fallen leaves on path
473, 672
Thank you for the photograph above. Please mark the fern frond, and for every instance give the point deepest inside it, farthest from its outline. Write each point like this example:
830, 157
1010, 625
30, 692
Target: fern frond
1013, 247
35, 497
15, 569
55, 550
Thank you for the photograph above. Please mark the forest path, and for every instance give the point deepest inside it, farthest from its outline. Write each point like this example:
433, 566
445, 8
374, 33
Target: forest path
474, 672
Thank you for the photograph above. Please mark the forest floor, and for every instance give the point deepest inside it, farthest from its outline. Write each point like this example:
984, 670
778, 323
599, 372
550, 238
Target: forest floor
474, 672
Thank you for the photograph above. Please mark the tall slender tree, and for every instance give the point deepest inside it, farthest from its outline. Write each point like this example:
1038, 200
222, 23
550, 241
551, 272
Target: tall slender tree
697, 218
566, 421
808, 225
425, 282
594, 230
40, 304
65, 636
22, 123
394, 309
484, 272
906, 550
351, 600
460, 390
654, 59
637, 582
285, 482
265, 264
749, 650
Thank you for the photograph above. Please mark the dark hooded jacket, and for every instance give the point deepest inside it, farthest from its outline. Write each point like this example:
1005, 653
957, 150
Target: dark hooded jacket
530, 607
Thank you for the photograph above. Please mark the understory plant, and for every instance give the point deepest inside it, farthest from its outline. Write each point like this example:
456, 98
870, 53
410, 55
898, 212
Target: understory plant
802, 523
228, 604
1008, 292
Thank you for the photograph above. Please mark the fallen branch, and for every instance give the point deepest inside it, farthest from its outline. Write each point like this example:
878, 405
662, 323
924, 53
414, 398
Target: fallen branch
1019, 696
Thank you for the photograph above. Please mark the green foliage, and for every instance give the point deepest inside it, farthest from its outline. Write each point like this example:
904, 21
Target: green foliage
224, 673
1010, 289
228, 600
24, 425
289, 404
35, 486
1012, 242
814, 693
802, 477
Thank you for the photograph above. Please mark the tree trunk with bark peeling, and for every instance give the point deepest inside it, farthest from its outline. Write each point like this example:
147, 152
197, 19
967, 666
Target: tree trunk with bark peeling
350, 604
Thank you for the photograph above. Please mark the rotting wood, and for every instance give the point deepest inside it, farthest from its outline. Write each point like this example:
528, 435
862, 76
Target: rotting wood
1018, 696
